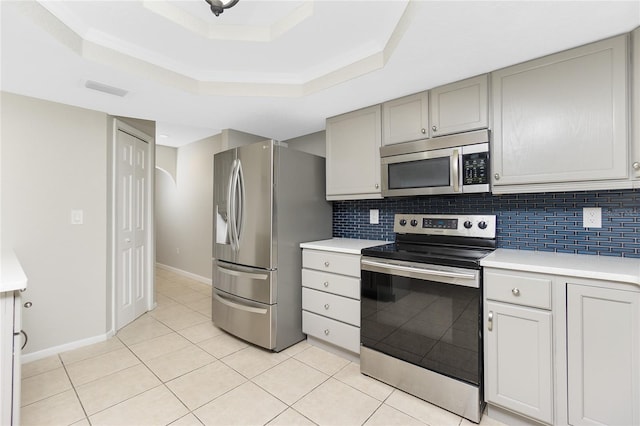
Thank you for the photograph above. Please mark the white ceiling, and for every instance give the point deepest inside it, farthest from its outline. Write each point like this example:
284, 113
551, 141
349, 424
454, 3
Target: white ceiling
275, 68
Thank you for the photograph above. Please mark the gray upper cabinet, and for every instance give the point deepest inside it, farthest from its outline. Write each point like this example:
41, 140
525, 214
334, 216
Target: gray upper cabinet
560, 123
460, 107
635, 106
406, 119
353, 155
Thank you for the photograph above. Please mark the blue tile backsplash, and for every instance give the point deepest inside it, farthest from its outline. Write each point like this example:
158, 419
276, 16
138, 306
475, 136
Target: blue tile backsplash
545, 222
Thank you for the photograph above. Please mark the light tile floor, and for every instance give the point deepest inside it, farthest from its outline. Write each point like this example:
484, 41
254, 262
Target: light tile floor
173, 366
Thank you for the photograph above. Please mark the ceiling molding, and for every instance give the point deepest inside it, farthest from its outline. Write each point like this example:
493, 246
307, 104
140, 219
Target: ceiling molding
96, 46
216, 31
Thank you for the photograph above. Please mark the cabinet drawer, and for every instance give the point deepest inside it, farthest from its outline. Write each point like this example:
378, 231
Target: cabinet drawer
338, 263
518, 288
331, 283
332, 306
340, 334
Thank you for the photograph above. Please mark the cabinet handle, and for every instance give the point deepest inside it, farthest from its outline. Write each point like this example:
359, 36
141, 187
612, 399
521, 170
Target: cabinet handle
326, 332
326, 306
636, 166
515, 291
490, 321
326, 283
423, 131
28, 305
377, 186
434, 128
496, 176
326, 264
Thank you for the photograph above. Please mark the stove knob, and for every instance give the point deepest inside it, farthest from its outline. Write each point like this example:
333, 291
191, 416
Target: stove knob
482, 225
414, 222
468, 224
403, 222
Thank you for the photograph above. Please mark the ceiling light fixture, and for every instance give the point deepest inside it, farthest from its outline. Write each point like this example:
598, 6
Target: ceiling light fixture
218, 6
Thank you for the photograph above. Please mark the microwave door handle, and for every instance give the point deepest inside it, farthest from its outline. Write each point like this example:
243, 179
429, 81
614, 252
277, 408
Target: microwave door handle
455, 170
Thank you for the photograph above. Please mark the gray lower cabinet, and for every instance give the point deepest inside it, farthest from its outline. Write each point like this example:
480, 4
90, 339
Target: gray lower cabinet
603, 355
560, 123
562, 350
331, 298
518, 343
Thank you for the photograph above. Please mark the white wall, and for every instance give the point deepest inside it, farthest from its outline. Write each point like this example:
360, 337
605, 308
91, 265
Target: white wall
167, 159
54, 159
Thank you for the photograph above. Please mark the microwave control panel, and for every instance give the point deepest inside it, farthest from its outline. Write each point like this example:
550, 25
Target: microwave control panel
475, 168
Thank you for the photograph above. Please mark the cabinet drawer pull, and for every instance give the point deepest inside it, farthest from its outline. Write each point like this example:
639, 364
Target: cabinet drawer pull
423, 131
516, 291
496, 176
326, 283
490, 321
434, 128
326, 264
326, 306
326, 332
636, 166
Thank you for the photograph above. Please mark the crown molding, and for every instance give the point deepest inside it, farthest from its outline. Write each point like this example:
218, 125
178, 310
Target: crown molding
98, 47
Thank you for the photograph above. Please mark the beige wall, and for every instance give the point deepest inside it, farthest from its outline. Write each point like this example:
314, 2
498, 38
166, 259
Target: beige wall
53, 160
313, 143
167, 159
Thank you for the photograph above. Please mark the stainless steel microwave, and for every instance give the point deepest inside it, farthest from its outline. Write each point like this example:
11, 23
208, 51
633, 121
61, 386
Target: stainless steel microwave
454, 164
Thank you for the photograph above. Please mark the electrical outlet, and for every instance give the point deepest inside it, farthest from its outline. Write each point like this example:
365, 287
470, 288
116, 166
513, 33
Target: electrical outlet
592, 217
374, 216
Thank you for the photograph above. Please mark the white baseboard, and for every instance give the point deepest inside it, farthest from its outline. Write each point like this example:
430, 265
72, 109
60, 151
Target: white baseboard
34, 356
191, 275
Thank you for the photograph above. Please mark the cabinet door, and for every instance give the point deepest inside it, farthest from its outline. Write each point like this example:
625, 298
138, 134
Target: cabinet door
635, 107
562, 119
459, 107
406, 119
353, 155
603, 356
518, 360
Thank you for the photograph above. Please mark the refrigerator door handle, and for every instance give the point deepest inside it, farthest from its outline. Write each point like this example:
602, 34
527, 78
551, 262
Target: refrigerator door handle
238, 306
236, 273
241, 203
230, 205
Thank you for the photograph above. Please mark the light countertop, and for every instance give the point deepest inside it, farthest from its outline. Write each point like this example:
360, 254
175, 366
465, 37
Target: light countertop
343, 245
12, 276
618, 269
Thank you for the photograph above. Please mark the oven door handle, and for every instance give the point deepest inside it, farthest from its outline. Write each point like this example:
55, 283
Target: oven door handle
383, 267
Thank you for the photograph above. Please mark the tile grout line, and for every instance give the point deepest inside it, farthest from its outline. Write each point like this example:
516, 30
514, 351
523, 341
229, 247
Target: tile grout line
75, 391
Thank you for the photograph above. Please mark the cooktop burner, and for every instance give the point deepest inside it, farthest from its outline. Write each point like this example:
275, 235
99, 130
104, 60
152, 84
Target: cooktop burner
450, 240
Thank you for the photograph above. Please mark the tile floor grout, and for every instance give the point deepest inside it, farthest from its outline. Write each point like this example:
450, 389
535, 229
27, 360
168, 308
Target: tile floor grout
398, 407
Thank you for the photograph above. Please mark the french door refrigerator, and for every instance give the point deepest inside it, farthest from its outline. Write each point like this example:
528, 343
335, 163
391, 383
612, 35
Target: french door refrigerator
268, 198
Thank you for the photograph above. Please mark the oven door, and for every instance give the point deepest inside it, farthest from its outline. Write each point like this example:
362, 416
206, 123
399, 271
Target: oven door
426, 315
422, 173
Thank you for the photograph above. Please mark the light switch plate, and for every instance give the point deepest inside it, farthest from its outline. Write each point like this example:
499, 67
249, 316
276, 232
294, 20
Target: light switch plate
592, 217
77, 217
374, 216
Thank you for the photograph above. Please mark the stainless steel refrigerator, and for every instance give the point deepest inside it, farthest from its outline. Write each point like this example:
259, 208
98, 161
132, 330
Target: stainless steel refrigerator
267, 200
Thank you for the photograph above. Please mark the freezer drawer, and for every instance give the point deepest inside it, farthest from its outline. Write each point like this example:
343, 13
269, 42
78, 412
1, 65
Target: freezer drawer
248, 320
249, 283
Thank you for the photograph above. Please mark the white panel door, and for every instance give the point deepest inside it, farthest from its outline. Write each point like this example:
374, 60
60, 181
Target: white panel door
518, 360
132, 275
603, 355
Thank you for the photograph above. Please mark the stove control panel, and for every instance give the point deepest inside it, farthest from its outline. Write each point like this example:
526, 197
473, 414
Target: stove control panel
480, 226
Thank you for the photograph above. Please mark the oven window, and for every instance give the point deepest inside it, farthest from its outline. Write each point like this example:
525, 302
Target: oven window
429, 324
433, 172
